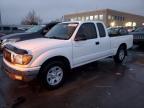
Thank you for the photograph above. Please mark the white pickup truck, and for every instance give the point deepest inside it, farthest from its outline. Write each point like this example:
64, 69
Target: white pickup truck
64, 47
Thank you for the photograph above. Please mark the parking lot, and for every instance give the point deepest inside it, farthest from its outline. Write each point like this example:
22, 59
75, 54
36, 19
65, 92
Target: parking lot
101, 84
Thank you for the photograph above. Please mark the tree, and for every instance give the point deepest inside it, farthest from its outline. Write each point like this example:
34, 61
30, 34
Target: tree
31, 19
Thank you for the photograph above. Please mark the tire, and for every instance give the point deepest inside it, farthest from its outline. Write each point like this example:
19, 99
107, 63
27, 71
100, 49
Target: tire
53, 74
120, 55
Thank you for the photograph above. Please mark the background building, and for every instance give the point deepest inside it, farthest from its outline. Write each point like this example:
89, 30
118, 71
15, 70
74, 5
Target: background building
110, 17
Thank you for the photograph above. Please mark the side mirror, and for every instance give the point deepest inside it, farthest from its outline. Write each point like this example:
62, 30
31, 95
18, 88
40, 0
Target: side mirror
80, 37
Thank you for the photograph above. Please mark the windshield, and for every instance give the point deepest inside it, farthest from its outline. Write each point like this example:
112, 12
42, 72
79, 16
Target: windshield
62, 31
35, 29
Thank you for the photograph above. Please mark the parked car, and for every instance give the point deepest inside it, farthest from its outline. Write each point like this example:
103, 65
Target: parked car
66, 46
117, 31
138, 35
10, 29
34, 32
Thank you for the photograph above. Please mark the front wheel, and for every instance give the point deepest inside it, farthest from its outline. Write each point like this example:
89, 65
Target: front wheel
120, 56
53, 74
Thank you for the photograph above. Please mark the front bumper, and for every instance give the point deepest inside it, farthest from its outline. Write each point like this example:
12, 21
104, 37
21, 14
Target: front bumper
26, 75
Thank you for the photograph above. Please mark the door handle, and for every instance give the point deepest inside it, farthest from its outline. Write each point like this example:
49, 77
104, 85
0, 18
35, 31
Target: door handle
97, 43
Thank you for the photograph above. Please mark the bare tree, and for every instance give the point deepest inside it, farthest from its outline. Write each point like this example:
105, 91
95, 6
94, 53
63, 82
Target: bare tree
31, 19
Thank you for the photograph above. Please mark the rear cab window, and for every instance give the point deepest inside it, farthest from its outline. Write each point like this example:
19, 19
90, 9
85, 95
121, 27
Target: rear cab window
101, 29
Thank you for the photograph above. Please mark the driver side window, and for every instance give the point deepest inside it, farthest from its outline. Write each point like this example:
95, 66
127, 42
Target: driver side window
88, 30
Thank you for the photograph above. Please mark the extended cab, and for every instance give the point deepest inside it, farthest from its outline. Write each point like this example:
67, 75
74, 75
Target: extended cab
65, 46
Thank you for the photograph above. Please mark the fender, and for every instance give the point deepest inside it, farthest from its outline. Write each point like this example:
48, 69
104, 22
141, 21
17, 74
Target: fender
65, 52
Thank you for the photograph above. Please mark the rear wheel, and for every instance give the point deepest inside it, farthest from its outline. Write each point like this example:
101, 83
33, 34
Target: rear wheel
53, 74
120, 56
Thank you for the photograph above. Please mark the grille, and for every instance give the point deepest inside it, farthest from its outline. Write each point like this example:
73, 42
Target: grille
7, 55
139, 37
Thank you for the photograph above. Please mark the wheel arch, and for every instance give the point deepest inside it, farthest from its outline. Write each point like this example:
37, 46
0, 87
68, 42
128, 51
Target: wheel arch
57, 58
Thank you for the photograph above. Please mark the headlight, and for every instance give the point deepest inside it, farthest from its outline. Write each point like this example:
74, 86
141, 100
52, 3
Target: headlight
21, 59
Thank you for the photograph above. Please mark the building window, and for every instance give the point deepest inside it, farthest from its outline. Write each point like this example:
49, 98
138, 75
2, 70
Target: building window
87, 18
115, 17
123, 18
91, 17
112, 17
109, 17
74, 19
134, 24
79, 18
101, 17
118, 18
83, 18
128, 24
71, 19
112, 24
96, 17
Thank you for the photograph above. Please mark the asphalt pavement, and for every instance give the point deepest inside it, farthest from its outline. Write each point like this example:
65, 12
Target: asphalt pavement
101, 84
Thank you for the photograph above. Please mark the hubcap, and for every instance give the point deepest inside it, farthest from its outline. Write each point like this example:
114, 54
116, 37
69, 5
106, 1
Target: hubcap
55, 75
121, 54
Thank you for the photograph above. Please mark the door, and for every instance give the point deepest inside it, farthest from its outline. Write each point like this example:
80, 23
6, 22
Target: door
105, 42
86, 44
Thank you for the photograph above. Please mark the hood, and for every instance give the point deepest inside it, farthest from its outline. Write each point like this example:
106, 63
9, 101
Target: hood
39, 44
15, 35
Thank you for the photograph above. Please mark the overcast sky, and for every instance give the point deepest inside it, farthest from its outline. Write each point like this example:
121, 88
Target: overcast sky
14, 10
